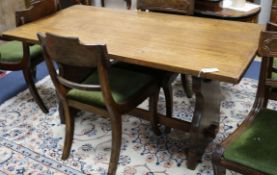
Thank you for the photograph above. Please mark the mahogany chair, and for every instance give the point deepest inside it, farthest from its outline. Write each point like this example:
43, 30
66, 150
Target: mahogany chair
67, 3
252, 148
182, 7
24, 56
29, 3
105, 89
166, 78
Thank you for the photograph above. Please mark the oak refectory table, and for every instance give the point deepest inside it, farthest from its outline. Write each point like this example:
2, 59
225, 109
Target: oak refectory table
181, 44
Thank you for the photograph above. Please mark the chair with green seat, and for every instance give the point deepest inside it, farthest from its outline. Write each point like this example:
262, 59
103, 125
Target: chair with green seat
182, 7
252, 148
68, 3
165, 79
179, 7
93, 84
24, 56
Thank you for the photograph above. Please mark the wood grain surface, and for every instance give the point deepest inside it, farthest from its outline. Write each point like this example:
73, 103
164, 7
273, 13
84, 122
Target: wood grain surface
176, 43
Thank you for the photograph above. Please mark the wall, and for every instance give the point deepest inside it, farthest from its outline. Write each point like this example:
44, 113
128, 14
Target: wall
265, 12
7, 9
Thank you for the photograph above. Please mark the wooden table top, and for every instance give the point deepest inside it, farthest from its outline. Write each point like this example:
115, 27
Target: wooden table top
176, 43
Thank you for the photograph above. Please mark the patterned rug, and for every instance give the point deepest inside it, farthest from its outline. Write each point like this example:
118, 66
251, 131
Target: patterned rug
31, 142
3, 73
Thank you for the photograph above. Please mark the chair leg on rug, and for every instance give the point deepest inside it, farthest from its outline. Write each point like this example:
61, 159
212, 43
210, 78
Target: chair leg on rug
153, 104
33, 90
216, 158
167, 88
186, 82
168, 93
219, 170
116, 123
69, 130
61, 112
73, 111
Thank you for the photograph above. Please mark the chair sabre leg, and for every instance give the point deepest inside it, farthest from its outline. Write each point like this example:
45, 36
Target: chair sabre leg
169, 102
33, 90
116, 143
153, 102
216, 159
219, 170
187, 82
69, 130
61, 112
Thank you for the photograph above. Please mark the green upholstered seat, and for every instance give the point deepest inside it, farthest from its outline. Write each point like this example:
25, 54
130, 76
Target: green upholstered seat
124, 84
12, 51
257, 146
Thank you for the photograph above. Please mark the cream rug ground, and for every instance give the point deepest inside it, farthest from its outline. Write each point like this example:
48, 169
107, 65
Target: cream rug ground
31, 142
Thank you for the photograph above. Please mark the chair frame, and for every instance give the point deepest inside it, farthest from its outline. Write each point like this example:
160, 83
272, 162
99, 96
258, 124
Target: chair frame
38, 9
263, 95
169, 7
170, 76
102, 62
88, 2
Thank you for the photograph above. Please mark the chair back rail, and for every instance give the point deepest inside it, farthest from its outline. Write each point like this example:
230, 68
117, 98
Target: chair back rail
68, 51
168, 6
27, 59
37, 10
267, 50
268, 44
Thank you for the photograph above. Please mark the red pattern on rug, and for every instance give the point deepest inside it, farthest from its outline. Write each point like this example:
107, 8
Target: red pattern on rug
2, 74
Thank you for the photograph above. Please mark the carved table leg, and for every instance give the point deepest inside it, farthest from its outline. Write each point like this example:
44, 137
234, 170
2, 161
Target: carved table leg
205, 120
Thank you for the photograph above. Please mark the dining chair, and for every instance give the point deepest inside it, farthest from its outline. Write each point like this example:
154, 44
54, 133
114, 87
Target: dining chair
106, 90
182, 7
251, 148
67, 3
166, 78
29, 3
24, 56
